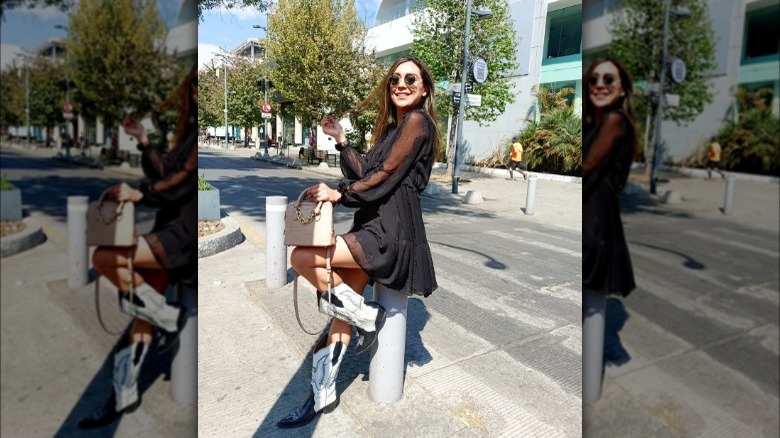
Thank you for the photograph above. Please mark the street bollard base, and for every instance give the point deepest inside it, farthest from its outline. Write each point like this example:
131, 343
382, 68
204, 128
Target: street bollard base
386, 370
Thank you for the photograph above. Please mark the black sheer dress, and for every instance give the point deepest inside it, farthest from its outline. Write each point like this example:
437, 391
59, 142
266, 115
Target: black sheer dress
170, 185
607, 157
388, 238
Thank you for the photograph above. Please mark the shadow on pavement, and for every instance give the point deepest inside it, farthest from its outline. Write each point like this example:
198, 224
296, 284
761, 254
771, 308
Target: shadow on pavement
98, 390
689, 262
490, 261
616, 316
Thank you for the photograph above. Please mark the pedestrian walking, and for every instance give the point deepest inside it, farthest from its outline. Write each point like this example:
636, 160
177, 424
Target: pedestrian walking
166, 255
387, 243
713, 158
516, 160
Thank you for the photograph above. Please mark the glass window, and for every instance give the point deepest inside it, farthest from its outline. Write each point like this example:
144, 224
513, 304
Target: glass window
762, 33
565, 34
555, 87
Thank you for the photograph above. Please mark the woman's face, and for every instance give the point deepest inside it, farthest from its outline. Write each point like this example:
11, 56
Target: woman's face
604, 87
406, 86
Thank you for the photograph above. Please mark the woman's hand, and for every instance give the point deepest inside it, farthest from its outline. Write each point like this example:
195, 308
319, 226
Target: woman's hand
322, 193
135, 129
333, 128
123, 192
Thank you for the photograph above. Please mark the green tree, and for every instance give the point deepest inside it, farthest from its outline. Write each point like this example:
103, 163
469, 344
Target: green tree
438, 40
6, 5
47, 95
637, 34
119, 61
321, 63
11, 96
205, 5
246, 93
210, 96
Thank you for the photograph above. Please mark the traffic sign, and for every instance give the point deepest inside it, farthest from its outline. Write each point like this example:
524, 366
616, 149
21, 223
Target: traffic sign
67, 107
471, 99
266, 115
266, 107
479, 70
677, 70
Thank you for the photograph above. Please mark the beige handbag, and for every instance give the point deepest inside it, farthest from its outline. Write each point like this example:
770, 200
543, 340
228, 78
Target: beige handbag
111, 223
309, 223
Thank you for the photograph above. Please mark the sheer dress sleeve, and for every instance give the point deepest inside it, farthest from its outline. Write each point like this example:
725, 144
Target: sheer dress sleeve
597, 159
378, 183
160, 188
353, 165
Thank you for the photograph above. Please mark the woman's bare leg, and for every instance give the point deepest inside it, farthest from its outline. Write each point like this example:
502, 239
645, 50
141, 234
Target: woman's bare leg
111, 262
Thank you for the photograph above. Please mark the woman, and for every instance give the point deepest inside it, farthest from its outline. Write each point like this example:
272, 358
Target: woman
387, 243
608, 150
165, 255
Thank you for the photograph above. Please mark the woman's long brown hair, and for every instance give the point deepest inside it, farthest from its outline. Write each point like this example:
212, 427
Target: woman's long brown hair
626, 104
181, 98
386, 111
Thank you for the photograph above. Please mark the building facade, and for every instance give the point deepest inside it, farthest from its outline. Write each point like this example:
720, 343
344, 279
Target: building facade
746, 54
549, 54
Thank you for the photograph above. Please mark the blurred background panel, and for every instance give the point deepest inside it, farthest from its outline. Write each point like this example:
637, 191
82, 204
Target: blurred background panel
693, 350
70, 71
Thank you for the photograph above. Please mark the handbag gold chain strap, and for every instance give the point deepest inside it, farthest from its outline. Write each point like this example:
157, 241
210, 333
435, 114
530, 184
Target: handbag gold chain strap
114, 217
303, 220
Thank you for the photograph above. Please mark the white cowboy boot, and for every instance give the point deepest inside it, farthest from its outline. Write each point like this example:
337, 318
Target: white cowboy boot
150, 305
322, 395
124, 393
349, 306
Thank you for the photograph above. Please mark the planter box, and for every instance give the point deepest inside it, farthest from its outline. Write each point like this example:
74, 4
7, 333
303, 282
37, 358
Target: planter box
11, 204
208, 204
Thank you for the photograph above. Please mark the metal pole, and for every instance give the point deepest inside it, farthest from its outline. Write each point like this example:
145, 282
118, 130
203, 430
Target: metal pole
265, 83
386, 369
27, 100
224, 60
728, 199
78, 263
462, 103
184, 367
659, 114
530, 195
275, 249
593, 321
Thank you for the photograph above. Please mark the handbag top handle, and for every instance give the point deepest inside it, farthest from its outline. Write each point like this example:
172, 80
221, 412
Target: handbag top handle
115, 216
299, 215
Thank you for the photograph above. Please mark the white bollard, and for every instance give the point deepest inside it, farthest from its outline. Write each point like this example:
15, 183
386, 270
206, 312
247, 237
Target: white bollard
728, 199
386, 371
275, 249
78, 253
184, 368
530, 195
593, 322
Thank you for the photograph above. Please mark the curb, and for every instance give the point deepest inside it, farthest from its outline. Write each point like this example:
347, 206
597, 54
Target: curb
221, 241
31, 236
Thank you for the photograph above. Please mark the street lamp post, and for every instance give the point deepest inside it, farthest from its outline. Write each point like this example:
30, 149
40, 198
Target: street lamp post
265, 82
681, 12
481, 13
67, 84
26, 93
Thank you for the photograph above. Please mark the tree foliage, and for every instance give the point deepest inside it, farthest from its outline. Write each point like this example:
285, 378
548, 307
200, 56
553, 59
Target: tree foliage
119, 60
210, 96
11, 87
320, 60
554, 143
6, 5
205, 5
439, 32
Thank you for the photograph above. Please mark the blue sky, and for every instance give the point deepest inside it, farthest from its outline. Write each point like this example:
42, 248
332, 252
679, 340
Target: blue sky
28, 28
228, 28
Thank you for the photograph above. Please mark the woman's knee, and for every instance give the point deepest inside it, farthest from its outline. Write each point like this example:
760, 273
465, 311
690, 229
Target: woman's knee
103, 258
300, 257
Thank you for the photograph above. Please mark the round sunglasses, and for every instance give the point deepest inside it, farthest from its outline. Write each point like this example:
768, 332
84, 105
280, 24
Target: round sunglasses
410, 79
608, 79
